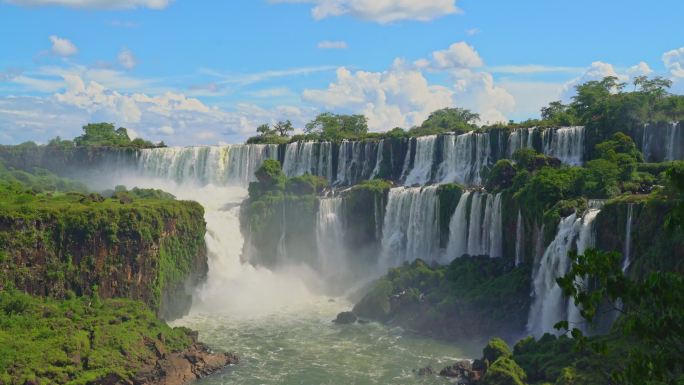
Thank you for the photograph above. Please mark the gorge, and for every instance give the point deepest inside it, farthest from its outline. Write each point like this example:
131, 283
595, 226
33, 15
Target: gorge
463, 223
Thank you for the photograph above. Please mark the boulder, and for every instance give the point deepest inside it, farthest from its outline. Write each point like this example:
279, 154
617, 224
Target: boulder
345, 317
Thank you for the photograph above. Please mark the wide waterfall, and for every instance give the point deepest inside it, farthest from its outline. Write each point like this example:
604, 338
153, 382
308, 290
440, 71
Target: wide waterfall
464, 158
548, 303
424, 159
662, 142
411, 226
309, 157
476, 226
565, 143
356, 161
521, 138
221, 165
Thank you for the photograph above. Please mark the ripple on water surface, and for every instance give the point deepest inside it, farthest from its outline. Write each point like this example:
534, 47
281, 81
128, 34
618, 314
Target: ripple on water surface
301, 345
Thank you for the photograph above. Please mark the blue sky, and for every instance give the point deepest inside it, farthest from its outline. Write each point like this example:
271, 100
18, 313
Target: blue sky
207, 72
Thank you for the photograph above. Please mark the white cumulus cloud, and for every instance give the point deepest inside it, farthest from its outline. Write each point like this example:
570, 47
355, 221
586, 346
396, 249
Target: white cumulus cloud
458, 55
674, 62
402, 95
99, 4
380, 11
397, 97
62, 46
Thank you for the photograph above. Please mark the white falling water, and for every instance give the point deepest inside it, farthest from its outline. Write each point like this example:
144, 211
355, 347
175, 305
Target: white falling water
378, 159
548, 303
355, 161
565, 143
299, 158
675, 142
520, 138
628, 239
309, 157
519, 239
421, 172
410, 227
458, 228
476, 226
586, 240
464, 158
222, 165
330, 237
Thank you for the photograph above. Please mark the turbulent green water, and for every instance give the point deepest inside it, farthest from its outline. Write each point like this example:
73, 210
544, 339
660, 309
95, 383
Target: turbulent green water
301, 345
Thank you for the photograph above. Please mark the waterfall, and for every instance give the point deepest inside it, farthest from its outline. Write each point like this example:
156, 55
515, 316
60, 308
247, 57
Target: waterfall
410, 227
586, 240
281, 248
220, 165
458, 229
675, 142
520, 138
378, 159
330, 237
421, 172
309, 157
549, 305
355, 161
519, 239
464, 157
475, 227
299, 158
628, 239
565, 143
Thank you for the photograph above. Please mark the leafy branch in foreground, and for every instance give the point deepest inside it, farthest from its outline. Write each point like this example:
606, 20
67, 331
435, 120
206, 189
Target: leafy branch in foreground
651, 316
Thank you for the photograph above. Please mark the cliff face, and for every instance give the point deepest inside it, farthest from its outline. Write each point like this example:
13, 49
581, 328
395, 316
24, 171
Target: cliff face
147, 250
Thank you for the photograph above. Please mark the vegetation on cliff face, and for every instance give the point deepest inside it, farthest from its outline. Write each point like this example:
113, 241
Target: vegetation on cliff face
274, 197
471, 297
139, 244
79, 340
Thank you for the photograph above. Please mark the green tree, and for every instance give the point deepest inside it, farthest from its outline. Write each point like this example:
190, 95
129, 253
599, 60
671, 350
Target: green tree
651, 316
283, 128
335, 127
449, 119
265, 130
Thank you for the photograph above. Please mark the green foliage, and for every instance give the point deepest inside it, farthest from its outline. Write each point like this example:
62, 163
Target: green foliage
78, 341
458, 120
504, 371
277, 135
105, 134
651, 316
86, 239
495, 349
334, 127
481, 292
501, 176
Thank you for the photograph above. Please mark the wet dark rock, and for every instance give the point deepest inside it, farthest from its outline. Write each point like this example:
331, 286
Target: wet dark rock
345, 317
426, 371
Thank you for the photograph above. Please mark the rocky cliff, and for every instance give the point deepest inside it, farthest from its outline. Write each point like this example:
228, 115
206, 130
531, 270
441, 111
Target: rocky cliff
150, 250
